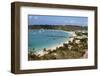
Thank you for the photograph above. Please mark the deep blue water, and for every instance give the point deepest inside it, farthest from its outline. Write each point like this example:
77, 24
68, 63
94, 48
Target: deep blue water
40, 39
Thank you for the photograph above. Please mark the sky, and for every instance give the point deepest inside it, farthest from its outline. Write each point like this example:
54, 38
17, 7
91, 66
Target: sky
57, 20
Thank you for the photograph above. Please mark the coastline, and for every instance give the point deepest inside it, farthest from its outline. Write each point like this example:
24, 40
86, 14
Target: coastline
73, 47
42, 52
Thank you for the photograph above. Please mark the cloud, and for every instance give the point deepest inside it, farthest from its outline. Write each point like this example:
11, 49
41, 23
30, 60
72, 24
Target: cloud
72, 21
35, 17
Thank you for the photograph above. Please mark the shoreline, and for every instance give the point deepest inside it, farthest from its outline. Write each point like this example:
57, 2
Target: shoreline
42, 52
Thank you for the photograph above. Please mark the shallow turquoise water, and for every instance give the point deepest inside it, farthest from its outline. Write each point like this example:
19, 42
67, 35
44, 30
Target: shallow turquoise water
40, 39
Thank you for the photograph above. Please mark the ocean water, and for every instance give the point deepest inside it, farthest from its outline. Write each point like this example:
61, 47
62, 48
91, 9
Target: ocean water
40, 39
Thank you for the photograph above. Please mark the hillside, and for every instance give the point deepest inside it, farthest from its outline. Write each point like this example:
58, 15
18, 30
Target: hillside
59, 27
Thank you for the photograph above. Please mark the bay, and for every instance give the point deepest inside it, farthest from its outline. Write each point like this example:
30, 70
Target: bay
42, 38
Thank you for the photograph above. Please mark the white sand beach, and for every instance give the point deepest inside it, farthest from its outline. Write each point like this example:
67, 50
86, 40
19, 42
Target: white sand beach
41, 53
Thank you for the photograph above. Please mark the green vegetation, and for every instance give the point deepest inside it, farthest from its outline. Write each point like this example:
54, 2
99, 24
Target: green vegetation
59, 27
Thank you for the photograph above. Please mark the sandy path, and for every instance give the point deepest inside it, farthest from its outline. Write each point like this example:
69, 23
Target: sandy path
86, 54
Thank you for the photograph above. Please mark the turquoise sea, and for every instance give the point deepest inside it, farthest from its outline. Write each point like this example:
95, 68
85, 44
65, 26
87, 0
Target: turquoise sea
40, 39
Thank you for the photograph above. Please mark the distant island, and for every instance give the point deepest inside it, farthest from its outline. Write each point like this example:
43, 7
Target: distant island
59, 27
